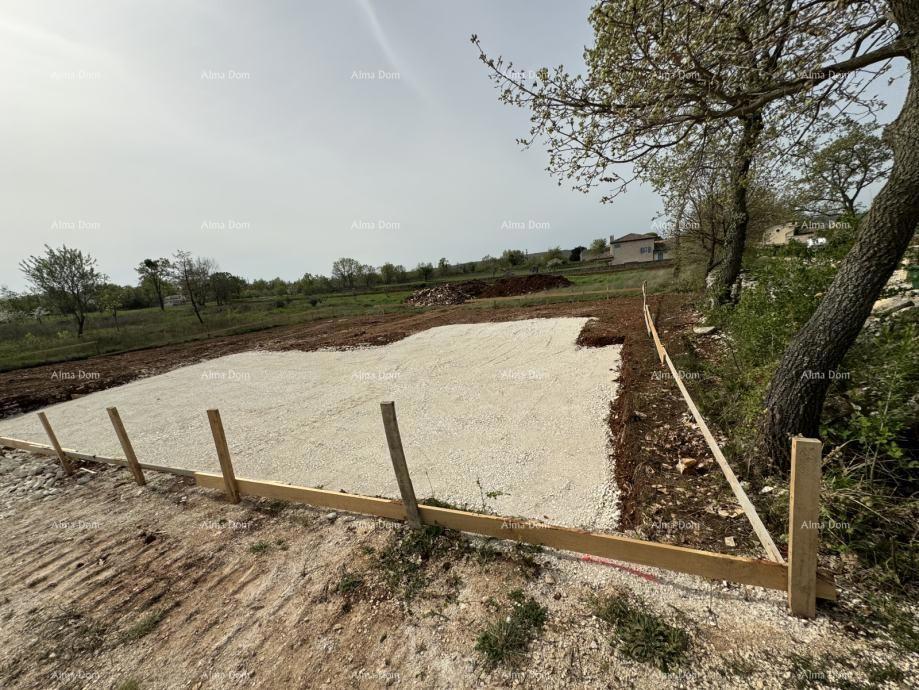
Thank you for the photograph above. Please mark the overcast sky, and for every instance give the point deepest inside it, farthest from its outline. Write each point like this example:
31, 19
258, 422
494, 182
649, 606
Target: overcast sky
250, 132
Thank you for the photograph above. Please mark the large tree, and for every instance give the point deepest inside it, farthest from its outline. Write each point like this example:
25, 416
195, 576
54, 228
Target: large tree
154, 273
67, 279
830, 51
657, 73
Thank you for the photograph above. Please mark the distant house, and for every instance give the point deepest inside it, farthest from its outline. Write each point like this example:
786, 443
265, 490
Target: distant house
805, 232
173, 300
638, 247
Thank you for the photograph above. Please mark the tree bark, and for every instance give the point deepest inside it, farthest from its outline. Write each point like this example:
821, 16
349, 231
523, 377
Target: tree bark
798, 388
739, 216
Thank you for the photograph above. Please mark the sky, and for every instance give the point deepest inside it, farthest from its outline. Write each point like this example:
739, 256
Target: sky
275, 137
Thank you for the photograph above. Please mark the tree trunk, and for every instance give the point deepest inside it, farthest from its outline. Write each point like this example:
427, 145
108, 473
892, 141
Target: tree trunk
739, 216
798, 388
81, 320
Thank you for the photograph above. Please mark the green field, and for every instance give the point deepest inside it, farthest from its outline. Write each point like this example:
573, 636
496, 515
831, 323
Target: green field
28, 343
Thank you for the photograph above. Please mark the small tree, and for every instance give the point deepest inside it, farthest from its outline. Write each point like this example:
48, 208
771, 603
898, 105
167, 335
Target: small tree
111, 298
193, 276
388, 273
67, 279
513, 257
598, 246
225, 286
345, 270
842, 169
425, 271
443, 266
555, 253
154, 274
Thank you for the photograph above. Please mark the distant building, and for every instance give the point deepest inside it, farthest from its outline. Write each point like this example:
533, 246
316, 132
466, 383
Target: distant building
636, 247
173, 300
807, 232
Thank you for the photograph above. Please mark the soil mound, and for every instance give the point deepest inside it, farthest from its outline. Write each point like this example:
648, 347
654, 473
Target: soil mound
524, 285
457, 293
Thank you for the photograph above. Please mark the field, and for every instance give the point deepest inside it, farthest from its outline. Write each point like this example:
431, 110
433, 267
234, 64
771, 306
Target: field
28, 343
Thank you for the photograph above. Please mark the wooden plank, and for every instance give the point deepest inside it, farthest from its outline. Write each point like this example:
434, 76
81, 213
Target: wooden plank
223, 454
758, 527
715, 566
61, 455
321, 498
397, 454
44, 449
661, 352
644, 309
126, 445
803, 526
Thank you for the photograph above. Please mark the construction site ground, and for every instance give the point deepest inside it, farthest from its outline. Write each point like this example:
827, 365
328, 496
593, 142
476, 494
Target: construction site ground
107, 584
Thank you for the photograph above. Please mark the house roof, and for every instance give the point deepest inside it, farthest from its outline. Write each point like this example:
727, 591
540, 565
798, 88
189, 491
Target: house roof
632, 236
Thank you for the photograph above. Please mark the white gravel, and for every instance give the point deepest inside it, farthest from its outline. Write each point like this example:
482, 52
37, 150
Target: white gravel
511, 407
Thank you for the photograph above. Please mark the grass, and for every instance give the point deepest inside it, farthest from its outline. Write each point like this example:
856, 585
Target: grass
143, 627
640, 634
506, 639
129, 684
402, 562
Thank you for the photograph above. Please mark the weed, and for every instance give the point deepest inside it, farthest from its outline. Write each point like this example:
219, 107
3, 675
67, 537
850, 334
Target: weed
129, 684
506, 639
143, 627
349, 582
260, 547
642, 635
403, 561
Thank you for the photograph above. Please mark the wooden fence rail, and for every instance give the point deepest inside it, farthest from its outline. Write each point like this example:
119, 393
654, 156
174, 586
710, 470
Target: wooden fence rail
749, 510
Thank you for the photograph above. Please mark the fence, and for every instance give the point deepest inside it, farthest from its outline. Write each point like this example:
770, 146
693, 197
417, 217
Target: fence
799, 577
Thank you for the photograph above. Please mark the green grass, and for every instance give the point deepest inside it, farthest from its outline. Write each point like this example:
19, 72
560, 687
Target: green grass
144, 626
506, 639
640, 634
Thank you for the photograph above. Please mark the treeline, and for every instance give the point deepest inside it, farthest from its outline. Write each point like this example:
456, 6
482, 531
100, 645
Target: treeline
67, 281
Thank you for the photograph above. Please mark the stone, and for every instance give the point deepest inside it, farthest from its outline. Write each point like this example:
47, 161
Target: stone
729, 541
331, 517
85, 479
687, 465
883, 307
704, 330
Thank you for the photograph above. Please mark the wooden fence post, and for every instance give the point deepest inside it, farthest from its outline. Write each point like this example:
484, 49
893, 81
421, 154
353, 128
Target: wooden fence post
803, 526
126, 445
223, 454
394, 439
62, 456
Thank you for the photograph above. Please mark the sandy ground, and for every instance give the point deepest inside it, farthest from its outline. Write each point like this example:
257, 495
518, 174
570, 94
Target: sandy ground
512, 414
107, 585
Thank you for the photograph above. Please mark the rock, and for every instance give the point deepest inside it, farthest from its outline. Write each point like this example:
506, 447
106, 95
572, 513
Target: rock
704, 330
331, 517
687, 465
883, 307
37, 470
84, 479
548, 579
767, 490
729, 541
